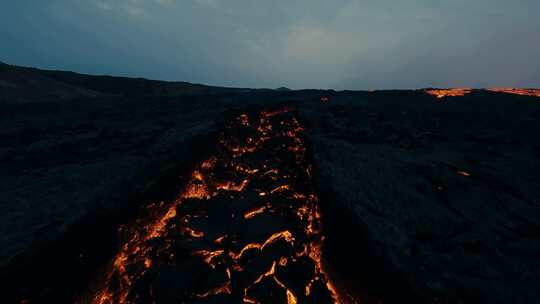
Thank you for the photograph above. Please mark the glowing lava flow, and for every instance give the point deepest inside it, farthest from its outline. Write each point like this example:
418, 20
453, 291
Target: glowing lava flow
247, 228
525, 92
442, 93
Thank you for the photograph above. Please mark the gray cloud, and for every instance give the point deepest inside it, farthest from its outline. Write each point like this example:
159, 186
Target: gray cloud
355, 44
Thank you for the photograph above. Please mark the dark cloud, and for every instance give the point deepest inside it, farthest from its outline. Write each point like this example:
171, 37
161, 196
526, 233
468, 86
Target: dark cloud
299, 43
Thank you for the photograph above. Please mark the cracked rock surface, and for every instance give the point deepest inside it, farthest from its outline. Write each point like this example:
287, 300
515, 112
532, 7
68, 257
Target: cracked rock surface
447, 192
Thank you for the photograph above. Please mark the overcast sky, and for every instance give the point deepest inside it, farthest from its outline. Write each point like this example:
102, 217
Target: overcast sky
340, 44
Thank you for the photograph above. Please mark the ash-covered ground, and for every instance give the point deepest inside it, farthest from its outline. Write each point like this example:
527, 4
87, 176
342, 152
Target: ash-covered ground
435, 200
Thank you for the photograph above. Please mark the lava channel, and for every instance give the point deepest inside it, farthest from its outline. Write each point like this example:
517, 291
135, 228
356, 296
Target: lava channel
246, 228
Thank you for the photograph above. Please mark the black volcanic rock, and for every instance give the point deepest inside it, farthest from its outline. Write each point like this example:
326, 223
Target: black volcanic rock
446, 194
61, 163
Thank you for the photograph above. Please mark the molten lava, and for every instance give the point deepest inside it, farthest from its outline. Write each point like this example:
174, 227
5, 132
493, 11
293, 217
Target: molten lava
463, 173
525, 92
246, 228
442, 93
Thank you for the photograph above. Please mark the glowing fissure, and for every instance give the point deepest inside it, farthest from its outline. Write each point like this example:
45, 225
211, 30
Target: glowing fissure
455, 92
249, 219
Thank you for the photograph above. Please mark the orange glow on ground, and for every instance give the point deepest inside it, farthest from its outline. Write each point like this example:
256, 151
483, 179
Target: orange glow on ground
524, 92
455, 92
230, 175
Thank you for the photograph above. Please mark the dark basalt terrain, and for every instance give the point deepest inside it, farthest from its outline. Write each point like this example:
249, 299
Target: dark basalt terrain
423, 199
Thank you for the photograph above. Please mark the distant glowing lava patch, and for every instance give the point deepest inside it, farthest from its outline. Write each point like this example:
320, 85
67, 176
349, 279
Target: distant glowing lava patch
442, 93
523, 92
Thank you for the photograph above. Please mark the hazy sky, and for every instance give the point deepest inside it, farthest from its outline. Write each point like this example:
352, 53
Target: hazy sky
353, 44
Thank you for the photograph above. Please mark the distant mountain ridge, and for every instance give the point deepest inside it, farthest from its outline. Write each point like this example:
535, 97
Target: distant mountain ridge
24, 84
284, 89
19, 85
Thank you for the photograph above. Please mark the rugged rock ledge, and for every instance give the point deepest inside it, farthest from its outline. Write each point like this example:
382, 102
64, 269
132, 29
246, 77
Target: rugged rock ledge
448, 193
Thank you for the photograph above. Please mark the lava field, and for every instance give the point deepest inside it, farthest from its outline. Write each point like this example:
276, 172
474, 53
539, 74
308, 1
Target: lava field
247, 228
